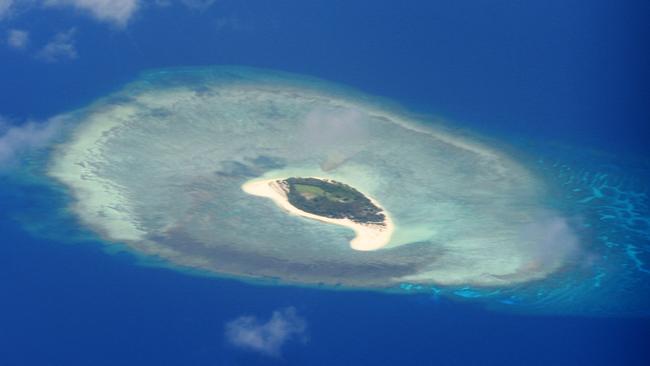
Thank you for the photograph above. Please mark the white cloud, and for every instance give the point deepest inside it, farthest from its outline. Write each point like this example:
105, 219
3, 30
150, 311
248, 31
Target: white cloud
334, 127
336, 134
61, 47
17, 38
5, 8
555, 241
267, 338
118, 12
31, 135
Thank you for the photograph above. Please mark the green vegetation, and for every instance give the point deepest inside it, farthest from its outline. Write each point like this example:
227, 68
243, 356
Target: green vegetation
332, 199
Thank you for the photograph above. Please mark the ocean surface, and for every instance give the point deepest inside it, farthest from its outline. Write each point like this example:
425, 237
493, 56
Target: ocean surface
564, 81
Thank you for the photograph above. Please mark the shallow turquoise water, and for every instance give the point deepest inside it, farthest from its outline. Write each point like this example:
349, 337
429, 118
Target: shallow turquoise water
604, 205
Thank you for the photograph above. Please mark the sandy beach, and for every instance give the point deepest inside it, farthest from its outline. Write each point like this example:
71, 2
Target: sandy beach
368, 236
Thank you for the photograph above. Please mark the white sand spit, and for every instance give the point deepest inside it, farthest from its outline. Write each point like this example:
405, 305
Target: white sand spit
368, 236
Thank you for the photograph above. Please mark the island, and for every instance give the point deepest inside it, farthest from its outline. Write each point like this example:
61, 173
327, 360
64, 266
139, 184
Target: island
332, 202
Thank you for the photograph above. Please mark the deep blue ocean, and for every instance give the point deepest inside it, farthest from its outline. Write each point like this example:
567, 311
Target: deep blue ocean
558, 73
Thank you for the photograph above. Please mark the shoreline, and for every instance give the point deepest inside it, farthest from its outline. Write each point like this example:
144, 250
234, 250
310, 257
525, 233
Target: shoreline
368, 237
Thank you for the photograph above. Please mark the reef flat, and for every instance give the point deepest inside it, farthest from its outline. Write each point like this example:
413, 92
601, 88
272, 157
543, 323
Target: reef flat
159, 166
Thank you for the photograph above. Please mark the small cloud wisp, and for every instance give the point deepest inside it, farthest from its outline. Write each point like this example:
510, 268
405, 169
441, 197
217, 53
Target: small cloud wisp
61, 47
5, 8
117, 12
267, 338
17, 38
29, 136
336, 133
